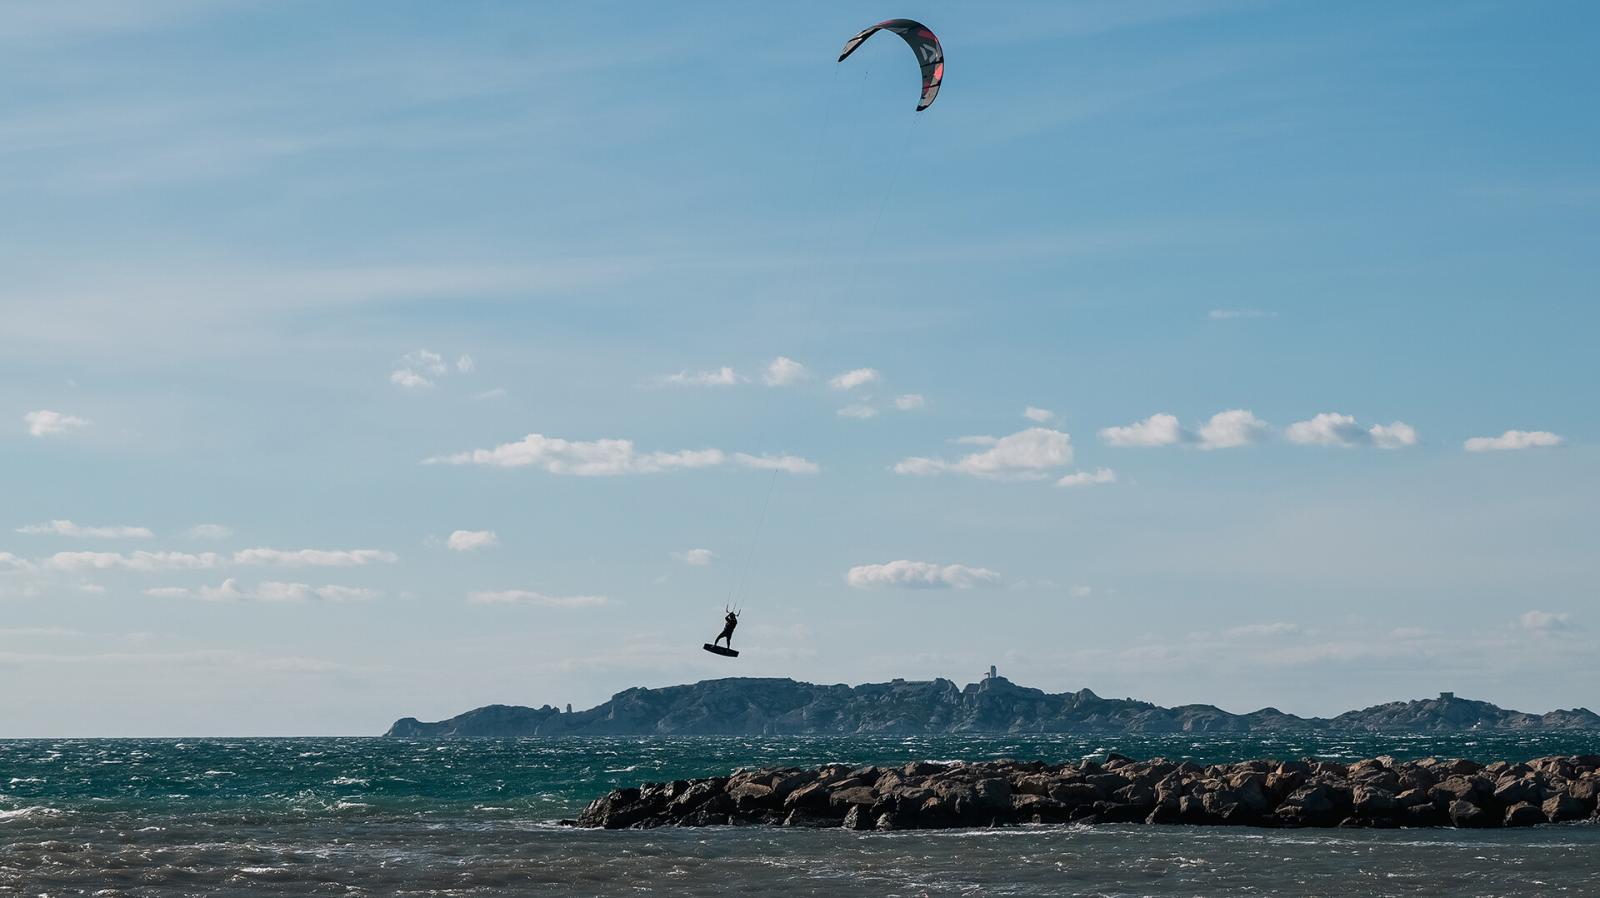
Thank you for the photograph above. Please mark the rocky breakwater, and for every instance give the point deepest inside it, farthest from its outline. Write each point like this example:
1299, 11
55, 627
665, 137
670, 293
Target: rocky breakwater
1379, 792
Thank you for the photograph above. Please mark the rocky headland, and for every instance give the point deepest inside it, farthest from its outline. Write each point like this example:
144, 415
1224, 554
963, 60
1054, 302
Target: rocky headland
743, 706
1378, 792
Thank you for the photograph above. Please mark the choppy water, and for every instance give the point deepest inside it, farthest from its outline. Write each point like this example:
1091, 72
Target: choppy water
391, 817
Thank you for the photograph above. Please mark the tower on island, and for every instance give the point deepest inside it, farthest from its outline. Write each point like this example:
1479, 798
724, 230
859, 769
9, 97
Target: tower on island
992, 674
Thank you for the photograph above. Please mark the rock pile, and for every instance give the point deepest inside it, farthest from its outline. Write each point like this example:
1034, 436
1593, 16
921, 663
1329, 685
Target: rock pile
1378, 792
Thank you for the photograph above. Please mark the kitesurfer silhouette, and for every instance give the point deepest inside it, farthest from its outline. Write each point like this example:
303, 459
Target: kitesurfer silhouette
728, 623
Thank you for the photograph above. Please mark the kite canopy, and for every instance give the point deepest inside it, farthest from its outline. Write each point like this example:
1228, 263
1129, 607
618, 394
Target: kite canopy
929, 54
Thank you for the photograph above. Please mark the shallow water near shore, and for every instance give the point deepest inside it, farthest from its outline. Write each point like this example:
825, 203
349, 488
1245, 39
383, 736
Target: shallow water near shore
395, 817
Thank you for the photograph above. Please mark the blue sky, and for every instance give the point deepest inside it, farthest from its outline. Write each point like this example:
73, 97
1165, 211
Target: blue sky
294, 294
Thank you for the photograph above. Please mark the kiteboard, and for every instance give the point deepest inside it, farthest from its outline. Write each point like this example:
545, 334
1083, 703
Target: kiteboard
719, 650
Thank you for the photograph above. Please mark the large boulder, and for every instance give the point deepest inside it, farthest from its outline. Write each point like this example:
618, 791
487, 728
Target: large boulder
1524, 814
1460, 788
1465, 814
811, 798
1510, 790
1038, 809
1314, 805
751, 797
1073, 794
994, 793
1372, 801
853, 797
1562, 808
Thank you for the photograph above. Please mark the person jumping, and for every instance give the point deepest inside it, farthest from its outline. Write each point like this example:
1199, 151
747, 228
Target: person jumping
728, 623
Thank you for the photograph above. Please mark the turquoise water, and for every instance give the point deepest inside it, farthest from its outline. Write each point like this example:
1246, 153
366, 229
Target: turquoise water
380, 817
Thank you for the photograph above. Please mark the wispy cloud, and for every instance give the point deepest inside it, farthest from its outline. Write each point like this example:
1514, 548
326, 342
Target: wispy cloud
910, 402
471, 540
855, 379
1240, 427
1038, 415
425, 368
919, 575
525, 597
717, 377
1335, 429
611, 457
68, 528
147, 562
1544, 621
859, 412
268, 591
784, 371
1224, 430
209, 531
1512, 440
1088, 478
44, 423
1026, 455
313, 557
698, 557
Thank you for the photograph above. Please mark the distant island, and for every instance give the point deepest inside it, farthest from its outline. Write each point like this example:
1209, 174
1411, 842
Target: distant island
746, 706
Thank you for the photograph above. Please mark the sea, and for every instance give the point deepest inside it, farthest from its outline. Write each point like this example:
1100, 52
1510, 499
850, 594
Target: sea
382, 817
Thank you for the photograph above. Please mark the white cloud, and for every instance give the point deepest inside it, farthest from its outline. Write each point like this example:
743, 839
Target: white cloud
1544, 621
45, 423
313, 557
424, 367
10, 563
1514, 439
1394, 435
784, 371
191, 561
275, 591
1224, 430
1080, 591
228, 591
859, 377
333, 593
1334, 429
209, 531
1230, 314
269, 591
698, 557
409, 379
910, 402
144, 562
792, 464
426, 361
1088, 478
860, 412
919, 575
1232, 428
1156, 430
1039, 415
524, 597
496, 393
721, 377
38, 631
1025, 455
610, 457
472, 540
1262, 631
67, 528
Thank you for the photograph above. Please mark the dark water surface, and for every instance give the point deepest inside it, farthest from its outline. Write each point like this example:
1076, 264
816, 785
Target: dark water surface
397, 817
